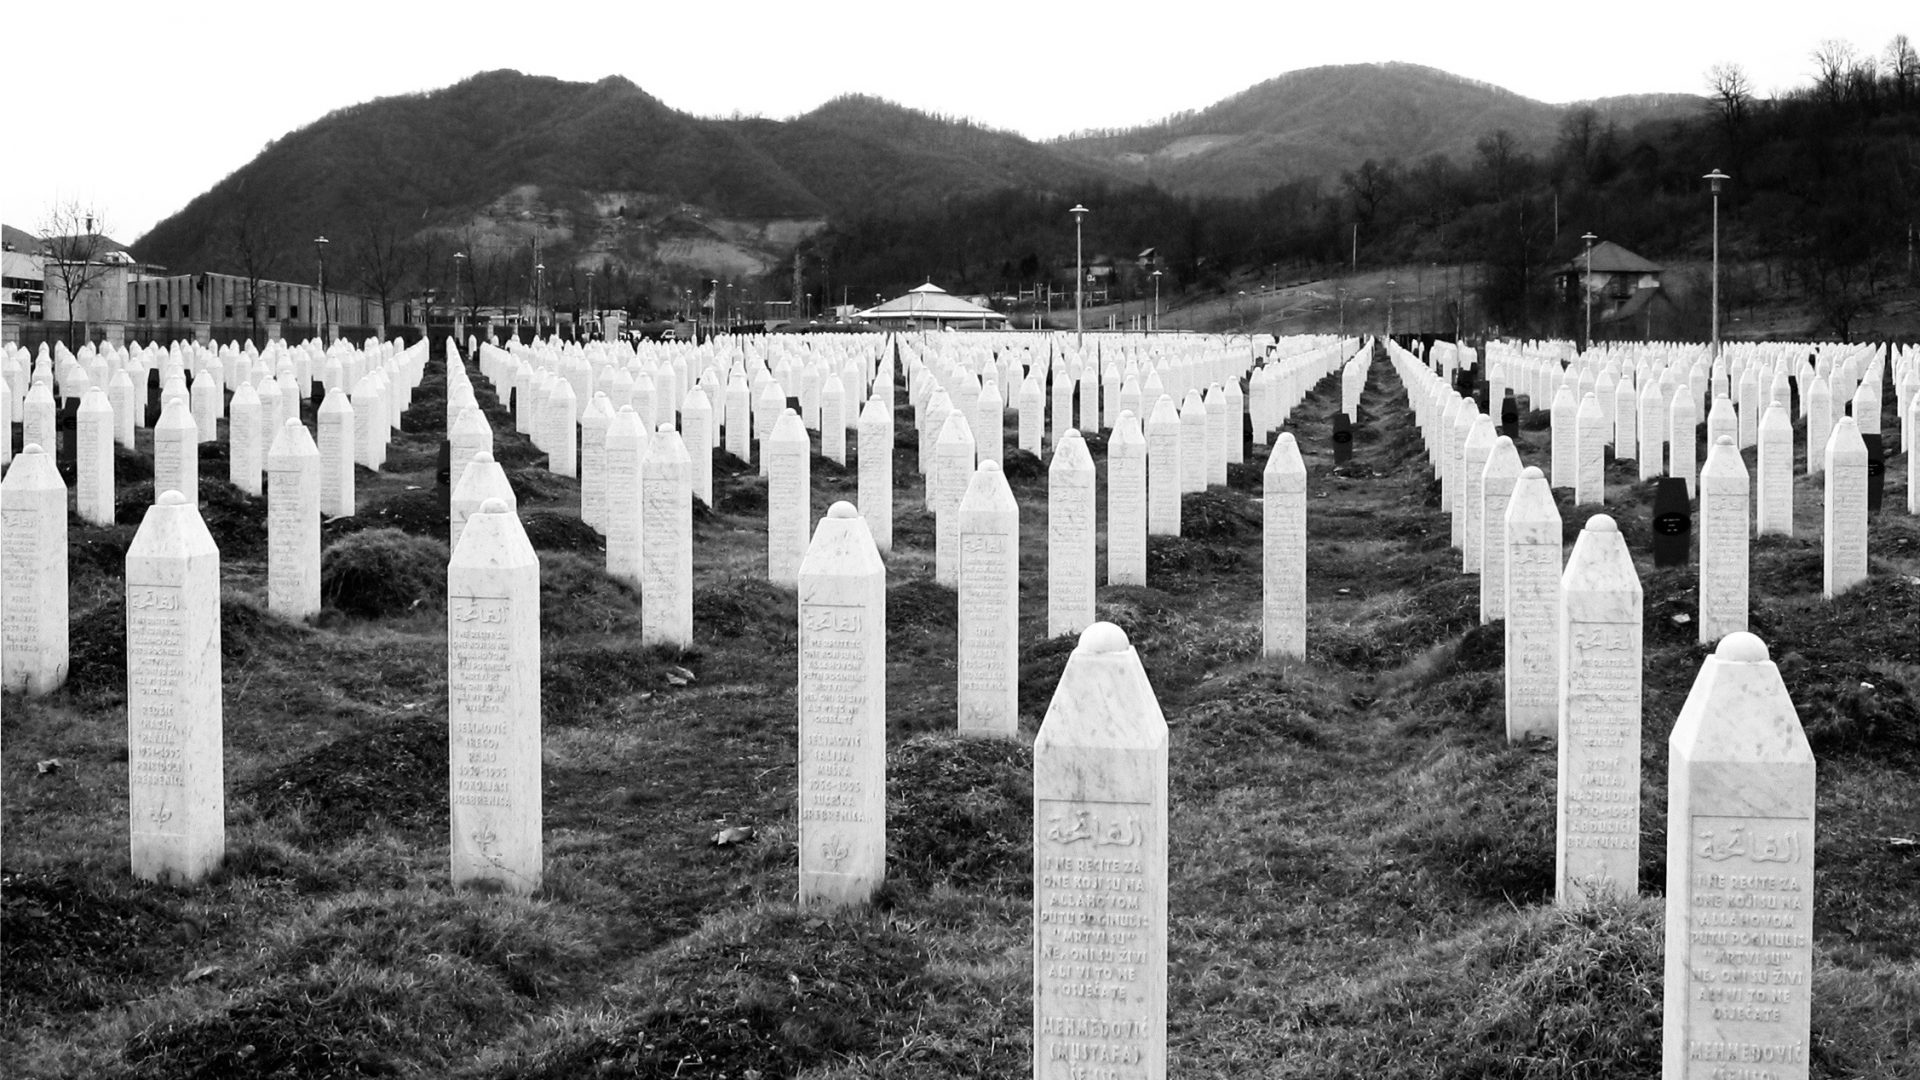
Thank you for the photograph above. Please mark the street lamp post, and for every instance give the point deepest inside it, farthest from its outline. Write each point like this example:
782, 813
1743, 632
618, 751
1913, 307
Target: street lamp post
1079, 275
1586, 289
1156, 302
320, 254
459, 323
713, 321
1389, 309
592, 312
539, 287
1714, 179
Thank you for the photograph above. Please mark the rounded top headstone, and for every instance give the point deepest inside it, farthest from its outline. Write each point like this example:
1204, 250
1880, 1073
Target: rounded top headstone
32, 448
292, 422
1741, 647
1532, 472
843, 509
1102, 637
1724, 440
172, 498
1602, 523
989, 465
494, 506
484, 456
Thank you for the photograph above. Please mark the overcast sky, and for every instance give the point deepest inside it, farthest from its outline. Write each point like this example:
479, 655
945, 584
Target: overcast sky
138, 114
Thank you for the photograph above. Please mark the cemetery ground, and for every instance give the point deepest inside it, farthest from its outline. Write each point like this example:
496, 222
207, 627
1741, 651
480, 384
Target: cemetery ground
1361, 876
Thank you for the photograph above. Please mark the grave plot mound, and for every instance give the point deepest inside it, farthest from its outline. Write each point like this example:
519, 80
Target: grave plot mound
1218, 515
97, 653
98, 553
549, 530
393, 774
383, 571
1041, 663
420, 512
1240, 477
582, 681
1388, 628
1023, 467
237, 520
1671, 607
748, 608
577, 597
1183, 554
913, 526
1781, 566
916, 607
1476, 823
740, 493
131, 466
535, 484
778, 995
427, 409
960, 813
64, 934
246, 630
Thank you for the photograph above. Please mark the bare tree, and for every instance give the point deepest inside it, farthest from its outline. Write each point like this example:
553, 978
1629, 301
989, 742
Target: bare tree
74, 245
1730, 95
248, 248
385, 259
1500, 157
1833, 62
1902, 66
1371, 185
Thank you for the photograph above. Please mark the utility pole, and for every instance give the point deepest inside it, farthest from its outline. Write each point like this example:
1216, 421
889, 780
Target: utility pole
796, 282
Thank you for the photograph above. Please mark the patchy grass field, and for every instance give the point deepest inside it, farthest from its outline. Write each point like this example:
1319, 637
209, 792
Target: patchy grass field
1361, 865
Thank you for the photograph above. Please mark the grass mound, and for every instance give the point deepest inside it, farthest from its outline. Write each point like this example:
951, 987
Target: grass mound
1218, 515
1023, 466
383, 572
912, 523
1542, 995
539, 484
742, 493
99, 553
960, 812
1041, 665
1243, 477
774, 993
746, 608
131, 466
424, 511
394, 773
919, 607
69, 943
1184, 554
1483, 823
577, 597
1385, 630
97, 653
549, 530
237, 520
578, 676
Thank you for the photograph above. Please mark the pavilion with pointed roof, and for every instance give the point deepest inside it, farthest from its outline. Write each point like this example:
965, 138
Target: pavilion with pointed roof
930, 307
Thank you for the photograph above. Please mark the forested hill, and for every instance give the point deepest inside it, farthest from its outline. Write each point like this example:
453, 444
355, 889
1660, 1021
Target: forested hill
502, 146
1314, 123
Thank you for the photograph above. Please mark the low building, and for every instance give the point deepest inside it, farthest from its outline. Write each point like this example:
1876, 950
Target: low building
930, 307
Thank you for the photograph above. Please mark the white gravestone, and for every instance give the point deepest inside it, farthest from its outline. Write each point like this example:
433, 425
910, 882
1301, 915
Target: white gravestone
989, 425
176, 451
843, 712
1127, 502
1031, 403
469, 435
1725, 492
1283, 554
1774, 504
989, 606
93, 458
1164, 470
875, 462
1100, 868
1193, 443
593, 461
1071, 525
833, 419
293, 523
1564, 420
176, 792
1533, 609
1740, 849
1590, 454
33, 565
246, 455
562, 410
697, 432
1598, 853
1819, 423
493, 703
1846, 509
666, 547
786, 456
335, 417
1496, 485
1471, 507
1681, 436
480, 480
626, 446
953, 466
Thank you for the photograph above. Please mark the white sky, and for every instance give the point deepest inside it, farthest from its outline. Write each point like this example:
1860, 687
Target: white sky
138, 112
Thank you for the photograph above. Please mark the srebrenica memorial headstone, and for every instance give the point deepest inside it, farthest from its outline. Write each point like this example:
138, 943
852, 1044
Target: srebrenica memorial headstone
1724, 497
1740, 848
1846, 509
843, 712
1497, 479
1533, 609
1127, 502
293, 523
176, 788
875, 464
493, 703
1071, 561
1100, 869
1598, 852
666, 542
33, 561
988, 523
785, 456
1283, 623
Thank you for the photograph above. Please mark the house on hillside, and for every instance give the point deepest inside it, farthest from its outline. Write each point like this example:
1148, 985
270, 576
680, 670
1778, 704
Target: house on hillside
1614, 283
